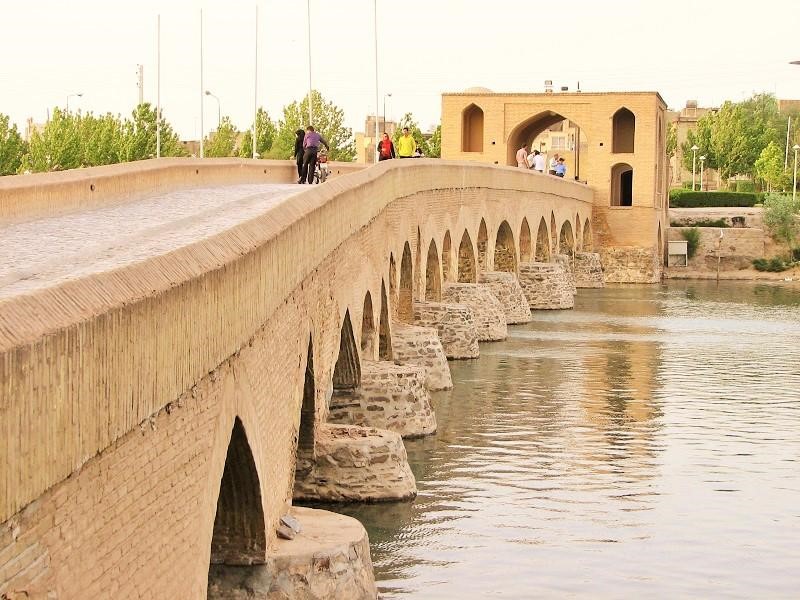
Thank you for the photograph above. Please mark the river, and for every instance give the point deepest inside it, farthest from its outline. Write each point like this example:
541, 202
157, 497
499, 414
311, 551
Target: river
646, 443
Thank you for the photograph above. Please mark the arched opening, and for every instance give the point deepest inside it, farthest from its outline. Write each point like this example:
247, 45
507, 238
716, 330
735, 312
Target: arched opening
624, 131
347, 372
542, 242
566, 241
622, 185
305, 436
525, 250
433, 277
483, 242
418, 265
239, 533
466, 260
472, 129
660, 248
393, 285
384, 334
505, 253
553, 232
587, 236
368, 329
551, 133
405, 301
447, 273
578, 237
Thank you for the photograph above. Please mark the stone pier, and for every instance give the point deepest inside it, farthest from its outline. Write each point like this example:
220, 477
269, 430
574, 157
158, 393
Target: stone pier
507, 290
328, 558
390, 396
546, 286
421, 346
490, 319
455, 324
566, 261
356, 464
588, 270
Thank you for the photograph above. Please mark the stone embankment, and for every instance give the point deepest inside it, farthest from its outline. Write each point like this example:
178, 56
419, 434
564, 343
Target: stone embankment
490, 320
421, 346
507, 290
588, 270
455, 325
546, 286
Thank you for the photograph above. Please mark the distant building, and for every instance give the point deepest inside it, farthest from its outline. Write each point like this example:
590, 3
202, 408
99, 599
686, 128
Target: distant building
365, 142
686, 121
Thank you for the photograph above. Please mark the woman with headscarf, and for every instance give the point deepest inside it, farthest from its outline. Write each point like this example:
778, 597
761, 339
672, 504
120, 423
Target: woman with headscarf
299, 151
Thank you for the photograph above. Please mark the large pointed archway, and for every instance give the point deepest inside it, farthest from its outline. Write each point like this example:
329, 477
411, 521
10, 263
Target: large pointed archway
467, 270
551, 133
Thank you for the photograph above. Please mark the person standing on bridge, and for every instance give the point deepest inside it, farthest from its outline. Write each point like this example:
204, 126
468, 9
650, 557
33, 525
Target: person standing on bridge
522, 157
538, 161
406, 145
311, 143
553, 164
561, 168
385, 148
298, 150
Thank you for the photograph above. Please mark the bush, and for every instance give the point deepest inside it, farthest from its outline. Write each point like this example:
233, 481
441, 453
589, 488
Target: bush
796, 254
692, 236
683, 199
701, 223
745, 186
773, 265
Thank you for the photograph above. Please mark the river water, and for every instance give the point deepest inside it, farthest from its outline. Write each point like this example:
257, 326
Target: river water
646, 443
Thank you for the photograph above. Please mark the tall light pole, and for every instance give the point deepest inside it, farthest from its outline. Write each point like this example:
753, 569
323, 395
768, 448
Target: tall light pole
796, 147
310, 96
158, 87
78, 95
389, 95
202, 96
702, 164
694, 163
255, 92
219, 110
375, 24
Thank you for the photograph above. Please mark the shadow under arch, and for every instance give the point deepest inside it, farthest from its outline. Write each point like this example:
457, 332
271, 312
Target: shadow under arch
542, 243
393, 285
384, 333
466, 260
483, 244
433, 277
566, 239
368, 329
588, 246
505, 253
405, 299
347, 372
525, 248
578, 236
447, 257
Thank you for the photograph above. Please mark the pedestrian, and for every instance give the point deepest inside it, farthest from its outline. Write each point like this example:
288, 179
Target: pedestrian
298, 150
522, 157
538, 161
561, 168
531, 156
385, 148
553, 164
418, 153
406, 146
311, 142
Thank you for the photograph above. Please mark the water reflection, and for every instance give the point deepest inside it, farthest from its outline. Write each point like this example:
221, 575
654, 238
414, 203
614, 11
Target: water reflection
643, 443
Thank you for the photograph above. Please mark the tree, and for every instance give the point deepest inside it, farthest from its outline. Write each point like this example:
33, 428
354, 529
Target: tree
101, 139
413, 128
328, 121
672, 140
266, 133
700, 137
12, 147
769, 167
139, 136
57, 146
223, 141
781, 218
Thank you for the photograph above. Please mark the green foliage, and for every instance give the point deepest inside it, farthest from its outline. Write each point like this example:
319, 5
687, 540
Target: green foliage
57, 147
328, 120
720, 223
692, 237
12, 147
435, 143
744, 185
672, 140
223, 141
100, 139
139, 136
700, 137
781, 218
769, 167
265, 134
679, 198
413, 128
773, 265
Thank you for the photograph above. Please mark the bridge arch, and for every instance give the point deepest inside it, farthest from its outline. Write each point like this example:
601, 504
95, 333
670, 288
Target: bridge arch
553, 232
623, 131
405, 301
542, 243
587, 236
566, 241
621, 185
393, 285
384, 333
525, 249
578, 236
433, 276
505, 253
472, 129
447, 254
347, 371
467, 272
483, 244
368, 329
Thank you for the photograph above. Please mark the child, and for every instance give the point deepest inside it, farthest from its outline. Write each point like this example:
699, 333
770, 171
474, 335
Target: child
561, 168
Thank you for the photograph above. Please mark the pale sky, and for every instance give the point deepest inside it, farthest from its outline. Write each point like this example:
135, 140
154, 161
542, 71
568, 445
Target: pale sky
685, 49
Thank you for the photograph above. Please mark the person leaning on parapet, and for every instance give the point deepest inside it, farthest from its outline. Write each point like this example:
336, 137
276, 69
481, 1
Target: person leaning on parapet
553, 164
561, 168
522, 157
311, 143
538, 161
298, 150
406, 145
386, 148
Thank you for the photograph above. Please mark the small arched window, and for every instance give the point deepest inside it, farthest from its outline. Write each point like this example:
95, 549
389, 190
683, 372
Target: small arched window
624, 131
472, 129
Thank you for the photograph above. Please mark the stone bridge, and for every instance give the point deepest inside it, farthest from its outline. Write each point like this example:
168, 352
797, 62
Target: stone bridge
186, 346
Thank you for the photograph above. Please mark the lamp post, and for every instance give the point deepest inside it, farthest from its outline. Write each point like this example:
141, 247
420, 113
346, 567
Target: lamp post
375, 31
702, 164
78, 95
796, 147
694, 163
389, 95
219, 112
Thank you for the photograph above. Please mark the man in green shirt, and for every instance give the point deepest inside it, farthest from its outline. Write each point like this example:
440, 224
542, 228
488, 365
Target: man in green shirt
406, 145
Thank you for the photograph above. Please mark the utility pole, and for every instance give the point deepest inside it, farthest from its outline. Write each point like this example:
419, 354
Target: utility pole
140, 82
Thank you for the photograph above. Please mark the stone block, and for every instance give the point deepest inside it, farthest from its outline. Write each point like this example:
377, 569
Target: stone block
490, 319
546, 286
565, 261
421, 346
588, 270
391, 396
507, 290
455, 325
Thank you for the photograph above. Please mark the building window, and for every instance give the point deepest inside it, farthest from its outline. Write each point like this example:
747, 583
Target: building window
472, 129
624, 131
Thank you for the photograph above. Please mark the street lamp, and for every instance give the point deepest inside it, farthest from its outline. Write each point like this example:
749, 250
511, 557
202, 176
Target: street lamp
78, 95
389, 95
702, 164
694, 162
219, 113
796, 147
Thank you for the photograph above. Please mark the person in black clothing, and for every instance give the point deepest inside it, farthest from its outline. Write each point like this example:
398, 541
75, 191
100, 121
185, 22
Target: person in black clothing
385, 148
311, 144
298, 150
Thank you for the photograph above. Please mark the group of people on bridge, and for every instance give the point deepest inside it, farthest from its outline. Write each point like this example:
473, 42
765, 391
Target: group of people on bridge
537, 161
406, 147
306, 151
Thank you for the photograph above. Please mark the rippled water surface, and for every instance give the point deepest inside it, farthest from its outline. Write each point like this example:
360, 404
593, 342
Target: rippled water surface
645, 444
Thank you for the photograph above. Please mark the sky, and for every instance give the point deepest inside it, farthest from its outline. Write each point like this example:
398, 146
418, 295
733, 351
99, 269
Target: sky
711, 51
